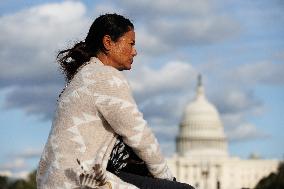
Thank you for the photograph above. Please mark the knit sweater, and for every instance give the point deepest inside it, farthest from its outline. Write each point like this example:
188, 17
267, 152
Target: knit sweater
96, 107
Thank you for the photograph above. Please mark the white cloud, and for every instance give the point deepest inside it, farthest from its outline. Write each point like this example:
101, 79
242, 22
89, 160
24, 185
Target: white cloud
29, 153
43, 25
149, 8
37, 100
5, 173
16, 164
182, 24
19, 164
107, 7
231, 120
31, 37
15, 175
234, 99
172, 77
191, 31
265, 72
21, 174
279, 56
247, 75
166, 130
150, 43
238, 128
245, 131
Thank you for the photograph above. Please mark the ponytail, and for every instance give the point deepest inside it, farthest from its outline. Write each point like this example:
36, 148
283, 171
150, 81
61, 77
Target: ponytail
71, 59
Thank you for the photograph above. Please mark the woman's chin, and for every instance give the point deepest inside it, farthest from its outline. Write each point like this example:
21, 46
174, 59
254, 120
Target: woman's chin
128, 67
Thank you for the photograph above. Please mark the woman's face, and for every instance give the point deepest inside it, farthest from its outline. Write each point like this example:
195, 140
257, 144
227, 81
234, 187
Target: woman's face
123, 51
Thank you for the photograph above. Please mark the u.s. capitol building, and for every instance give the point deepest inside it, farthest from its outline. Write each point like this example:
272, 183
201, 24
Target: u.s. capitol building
202, 157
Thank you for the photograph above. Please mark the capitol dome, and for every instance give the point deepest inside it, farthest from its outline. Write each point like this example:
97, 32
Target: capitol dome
201, 131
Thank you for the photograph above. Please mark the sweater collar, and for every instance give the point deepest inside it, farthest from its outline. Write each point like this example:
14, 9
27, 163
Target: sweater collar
96, 60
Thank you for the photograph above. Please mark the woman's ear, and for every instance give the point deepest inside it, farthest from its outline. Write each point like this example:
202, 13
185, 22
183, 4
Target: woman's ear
107, 42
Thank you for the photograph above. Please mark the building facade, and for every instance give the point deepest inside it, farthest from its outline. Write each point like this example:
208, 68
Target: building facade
202, 157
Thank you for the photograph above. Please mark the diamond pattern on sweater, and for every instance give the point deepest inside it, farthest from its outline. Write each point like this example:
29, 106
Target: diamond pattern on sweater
111, 100
87, 118
152, 149
75, 94
86, 79
78, 139
136, 139
140, 127
101, 154
117, 82
66, 185
57, 154
84, 90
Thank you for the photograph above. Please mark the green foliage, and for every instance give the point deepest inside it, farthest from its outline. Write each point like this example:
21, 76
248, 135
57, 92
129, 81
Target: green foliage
30, 183
274, 180
18, 184
3, 182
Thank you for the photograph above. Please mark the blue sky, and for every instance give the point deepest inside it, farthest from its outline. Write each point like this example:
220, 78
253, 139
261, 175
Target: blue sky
237, 46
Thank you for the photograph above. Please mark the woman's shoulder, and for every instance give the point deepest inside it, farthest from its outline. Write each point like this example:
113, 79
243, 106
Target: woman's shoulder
103, 71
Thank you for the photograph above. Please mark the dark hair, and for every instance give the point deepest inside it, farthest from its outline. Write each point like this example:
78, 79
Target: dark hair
113, 25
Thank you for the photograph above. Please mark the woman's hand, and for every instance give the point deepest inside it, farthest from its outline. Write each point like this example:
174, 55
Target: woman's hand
96, 178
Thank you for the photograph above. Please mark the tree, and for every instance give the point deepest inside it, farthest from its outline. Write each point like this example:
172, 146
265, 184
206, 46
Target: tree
3, 182
274, 180
18, 184
29, 183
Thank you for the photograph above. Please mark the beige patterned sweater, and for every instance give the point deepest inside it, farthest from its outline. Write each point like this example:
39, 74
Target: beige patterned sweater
95, 107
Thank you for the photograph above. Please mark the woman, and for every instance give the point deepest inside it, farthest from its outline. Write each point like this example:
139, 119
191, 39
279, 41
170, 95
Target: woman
96, 113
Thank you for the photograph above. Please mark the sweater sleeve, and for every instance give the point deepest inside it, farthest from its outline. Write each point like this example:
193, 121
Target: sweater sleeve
113, 99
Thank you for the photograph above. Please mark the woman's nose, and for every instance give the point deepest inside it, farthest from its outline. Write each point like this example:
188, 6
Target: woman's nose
134, 52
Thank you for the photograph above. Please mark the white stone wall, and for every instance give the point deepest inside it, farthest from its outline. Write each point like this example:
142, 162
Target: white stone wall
231, 173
